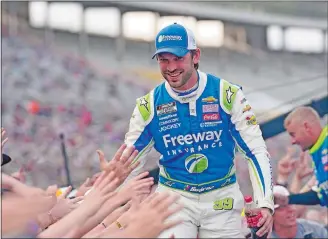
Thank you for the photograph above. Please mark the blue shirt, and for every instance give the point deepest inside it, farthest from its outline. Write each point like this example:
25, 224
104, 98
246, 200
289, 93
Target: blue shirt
319, 153
307, 229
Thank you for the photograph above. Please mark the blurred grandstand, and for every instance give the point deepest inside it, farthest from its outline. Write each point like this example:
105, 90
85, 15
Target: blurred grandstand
77, 68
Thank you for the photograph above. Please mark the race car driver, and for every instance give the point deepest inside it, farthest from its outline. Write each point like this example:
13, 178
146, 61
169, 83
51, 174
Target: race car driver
304, 127
195, 121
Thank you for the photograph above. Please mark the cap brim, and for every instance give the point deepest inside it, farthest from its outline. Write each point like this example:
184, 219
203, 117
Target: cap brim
5, 159
180, 52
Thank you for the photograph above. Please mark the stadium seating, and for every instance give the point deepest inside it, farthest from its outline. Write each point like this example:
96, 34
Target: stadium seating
48, 91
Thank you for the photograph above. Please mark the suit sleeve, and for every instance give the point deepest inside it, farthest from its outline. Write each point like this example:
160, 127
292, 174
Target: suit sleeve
248, 136
139, 133
319, 153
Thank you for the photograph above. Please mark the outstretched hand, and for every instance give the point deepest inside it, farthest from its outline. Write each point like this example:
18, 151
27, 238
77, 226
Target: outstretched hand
153, 212
150, 215
102, 190
121, 164
140, 185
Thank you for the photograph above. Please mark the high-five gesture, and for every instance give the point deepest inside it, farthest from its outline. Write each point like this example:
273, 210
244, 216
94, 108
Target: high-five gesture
103, 189
121, 164
140, 185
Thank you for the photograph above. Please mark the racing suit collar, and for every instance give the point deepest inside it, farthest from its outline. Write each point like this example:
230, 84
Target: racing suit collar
320, 140
193, 96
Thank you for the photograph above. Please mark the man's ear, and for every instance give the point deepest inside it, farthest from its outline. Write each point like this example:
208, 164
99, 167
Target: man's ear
307, 127
196, 56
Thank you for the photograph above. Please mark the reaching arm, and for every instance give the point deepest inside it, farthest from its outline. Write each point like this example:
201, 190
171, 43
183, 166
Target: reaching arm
11, 184
307, 198
139, 133
248, 136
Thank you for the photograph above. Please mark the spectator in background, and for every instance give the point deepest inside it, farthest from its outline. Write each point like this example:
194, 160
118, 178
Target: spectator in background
304, 126
286, 225
286, 166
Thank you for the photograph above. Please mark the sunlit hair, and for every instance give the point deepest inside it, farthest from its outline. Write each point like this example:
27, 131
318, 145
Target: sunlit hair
302, 113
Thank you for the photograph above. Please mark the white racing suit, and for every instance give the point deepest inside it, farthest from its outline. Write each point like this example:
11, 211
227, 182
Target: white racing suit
197, 134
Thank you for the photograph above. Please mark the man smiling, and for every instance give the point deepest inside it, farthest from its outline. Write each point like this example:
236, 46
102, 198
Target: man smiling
195, 121
286, 225
304, 127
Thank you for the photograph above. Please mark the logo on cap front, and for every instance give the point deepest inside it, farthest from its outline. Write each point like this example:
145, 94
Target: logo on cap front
169, 38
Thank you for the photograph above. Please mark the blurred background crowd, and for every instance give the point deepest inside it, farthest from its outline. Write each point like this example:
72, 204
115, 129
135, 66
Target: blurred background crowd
75, 69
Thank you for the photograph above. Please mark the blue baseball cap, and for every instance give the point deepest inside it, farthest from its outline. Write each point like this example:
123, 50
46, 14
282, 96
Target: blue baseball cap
175, 39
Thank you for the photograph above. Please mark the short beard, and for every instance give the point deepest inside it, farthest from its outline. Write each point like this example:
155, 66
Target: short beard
184, 80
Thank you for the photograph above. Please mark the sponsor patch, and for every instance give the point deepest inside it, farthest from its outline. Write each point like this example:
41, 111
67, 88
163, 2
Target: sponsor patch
162, 38
251, 120
223, 204
211, 117
169, 127
166, 108
209, 99
189, 139
210, 108
169, 183
169, 121
192, 143
229, 94
196, 189
144, 103
247, 108
210, 124
166, 117
196, 163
